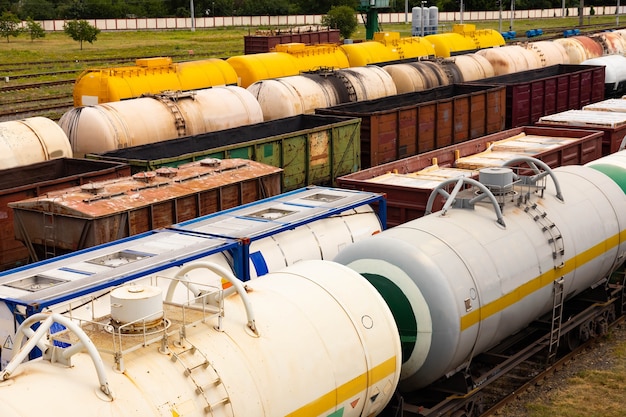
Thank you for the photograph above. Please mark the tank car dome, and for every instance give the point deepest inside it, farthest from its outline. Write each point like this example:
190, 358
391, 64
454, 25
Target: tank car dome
105, 127
32, 140
550, 53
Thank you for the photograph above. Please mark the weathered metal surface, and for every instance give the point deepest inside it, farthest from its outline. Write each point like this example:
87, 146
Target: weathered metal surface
409, 182
540, 92
36, 179
265, 42
75, 218
409, 124
613, 124
311, 149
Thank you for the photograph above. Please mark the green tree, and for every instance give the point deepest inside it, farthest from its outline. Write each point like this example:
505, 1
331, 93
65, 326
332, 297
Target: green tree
9, 25
34, 29
81, 30
342, 18
37, 9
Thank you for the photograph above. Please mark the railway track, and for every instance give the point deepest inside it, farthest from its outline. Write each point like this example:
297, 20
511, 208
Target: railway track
34, 86
52, 111
547, 373
18, 66
523, 361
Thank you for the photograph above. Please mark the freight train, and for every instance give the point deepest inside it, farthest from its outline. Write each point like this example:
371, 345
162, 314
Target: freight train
118, 124
184, 110
154, 75
391, 314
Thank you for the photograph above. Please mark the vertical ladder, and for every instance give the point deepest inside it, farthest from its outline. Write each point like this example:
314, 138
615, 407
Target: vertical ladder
550, 230
49, 242
557, 319
196, 367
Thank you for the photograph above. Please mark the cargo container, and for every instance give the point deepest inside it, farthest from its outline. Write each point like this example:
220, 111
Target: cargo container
409, 182
613, 124
70, 219
408, 124
540, 92
36, 179
265, 41
610, 104
311, 149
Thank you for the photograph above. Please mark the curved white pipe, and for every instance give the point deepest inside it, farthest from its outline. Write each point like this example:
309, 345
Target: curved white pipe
46, 320
224, 273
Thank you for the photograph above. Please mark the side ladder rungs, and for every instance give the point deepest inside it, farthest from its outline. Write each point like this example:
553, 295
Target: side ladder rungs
189, 370
210, 407
213, 383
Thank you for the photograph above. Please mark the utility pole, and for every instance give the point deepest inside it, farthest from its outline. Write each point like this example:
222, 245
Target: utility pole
513, 14
193, 18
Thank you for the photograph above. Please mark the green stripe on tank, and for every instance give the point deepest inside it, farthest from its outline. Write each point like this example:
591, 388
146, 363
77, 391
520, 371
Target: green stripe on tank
400, 308
616, 173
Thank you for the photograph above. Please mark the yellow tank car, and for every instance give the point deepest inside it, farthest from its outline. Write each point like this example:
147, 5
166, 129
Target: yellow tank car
150, 75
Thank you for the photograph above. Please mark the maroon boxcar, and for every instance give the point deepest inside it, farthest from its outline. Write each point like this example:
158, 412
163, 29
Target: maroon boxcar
540, 92
267, 40
407, 189
408, 124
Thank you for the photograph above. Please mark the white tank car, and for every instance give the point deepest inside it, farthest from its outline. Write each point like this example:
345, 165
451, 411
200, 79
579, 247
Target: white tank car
139, 121
302, 94
459, 281
313, 339
31, 140
319, 240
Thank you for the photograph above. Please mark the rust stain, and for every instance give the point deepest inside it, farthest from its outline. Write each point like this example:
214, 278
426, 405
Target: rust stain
146, 189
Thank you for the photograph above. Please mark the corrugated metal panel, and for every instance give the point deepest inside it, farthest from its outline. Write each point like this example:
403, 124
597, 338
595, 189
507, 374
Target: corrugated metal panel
540, 92
311, 149
407, 193
407, 124
265, 42
36, 179
75, 218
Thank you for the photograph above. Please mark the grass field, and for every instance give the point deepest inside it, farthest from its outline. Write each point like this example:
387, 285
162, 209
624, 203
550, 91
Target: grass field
218, 42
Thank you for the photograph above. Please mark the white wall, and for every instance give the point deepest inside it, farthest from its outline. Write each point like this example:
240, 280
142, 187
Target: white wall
303, 20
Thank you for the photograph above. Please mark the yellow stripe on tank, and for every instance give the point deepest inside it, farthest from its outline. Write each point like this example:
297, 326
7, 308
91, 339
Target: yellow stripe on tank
346, 391
539, 282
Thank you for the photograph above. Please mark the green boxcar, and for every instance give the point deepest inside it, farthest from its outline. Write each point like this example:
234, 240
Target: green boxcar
311, 149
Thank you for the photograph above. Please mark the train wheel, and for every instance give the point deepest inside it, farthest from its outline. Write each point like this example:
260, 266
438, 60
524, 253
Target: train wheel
572, 340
